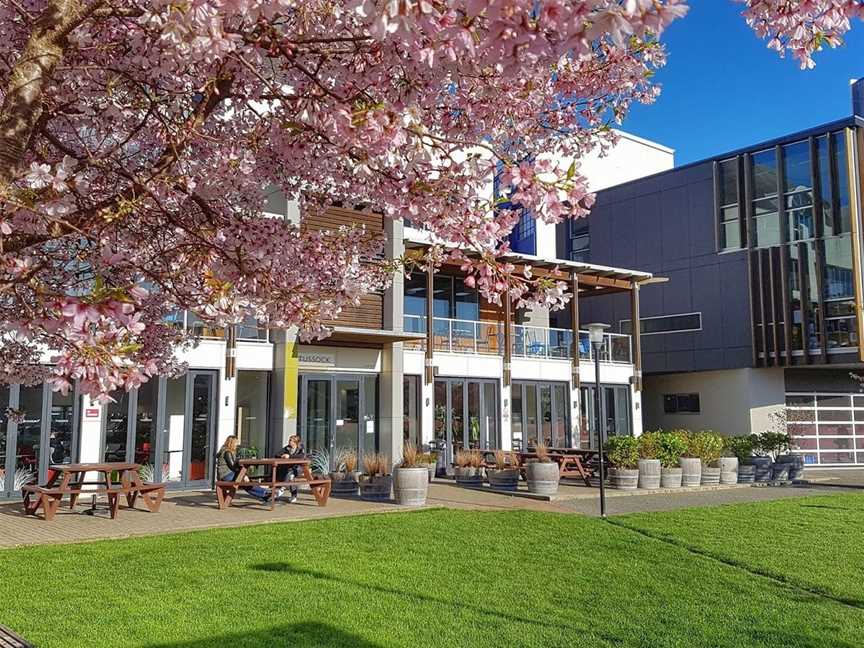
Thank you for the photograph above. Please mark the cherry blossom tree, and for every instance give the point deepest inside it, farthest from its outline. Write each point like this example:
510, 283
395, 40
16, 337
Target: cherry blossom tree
139, 140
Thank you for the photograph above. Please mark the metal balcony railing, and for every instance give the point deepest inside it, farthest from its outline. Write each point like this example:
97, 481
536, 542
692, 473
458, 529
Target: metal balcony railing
470, 336
248, 331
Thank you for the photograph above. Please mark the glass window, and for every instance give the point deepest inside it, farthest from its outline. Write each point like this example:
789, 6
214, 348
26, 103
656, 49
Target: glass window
523, 238
411, 410
116, 425
764, 174
415, 294
838, 268
796, 167
62, 427
253, 393
145, 425
665, 324
841, 170
768, 230
467, 301
728, 170
5, 485
681, 403
443, 296
28, 450
516, 417
801, 224
826, 189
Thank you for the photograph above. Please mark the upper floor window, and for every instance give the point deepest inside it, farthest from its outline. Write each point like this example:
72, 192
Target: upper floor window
580, 240
727, 199
798, 192
766, 213
452, 298
664, 324
523, 238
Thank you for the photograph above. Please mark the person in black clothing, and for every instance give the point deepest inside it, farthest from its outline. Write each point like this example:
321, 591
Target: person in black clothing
227, 467
293, 450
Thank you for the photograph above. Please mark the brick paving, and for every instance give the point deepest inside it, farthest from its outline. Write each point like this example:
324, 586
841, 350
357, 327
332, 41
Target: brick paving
197, 510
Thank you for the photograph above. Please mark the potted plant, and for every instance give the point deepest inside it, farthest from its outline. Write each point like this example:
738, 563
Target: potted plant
671, 445
649, 463
376, 482
708, 446
691, 463
469, 468
542, 473
505, 474
411, 478
345, 479
623, 455
741, 448
430, 460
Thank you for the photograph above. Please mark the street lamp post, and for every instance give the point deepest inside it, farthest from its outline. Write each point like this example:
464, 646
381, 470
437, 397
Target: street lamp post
595, 335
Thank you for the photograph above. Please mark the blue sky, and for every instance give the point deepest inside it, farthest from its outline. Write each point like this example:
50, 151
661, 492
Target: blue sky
723, 89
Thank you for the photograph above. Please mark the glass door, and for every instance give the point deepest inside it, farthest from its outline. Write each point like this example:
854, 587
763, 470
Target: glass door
540, 412
188, 421
614, 413
6, 469
466, 415
339, 413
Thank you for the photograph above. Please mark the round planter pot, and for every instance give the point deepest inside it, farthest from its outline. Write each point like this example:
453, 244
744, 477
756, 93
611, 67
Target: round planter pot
411, 485
343, 484
746, 473
670, 477
649, 473
691, 468
795, 463
468, 475
780, 472
624, 478
542, 478
728, 470
710, 475
376, 489
506, 479
763, 468
431, 468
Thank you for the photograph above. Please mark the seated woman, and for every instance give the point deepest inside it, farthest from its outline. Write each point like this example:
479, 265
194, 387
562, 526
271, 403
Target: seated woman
293, 450
227, 468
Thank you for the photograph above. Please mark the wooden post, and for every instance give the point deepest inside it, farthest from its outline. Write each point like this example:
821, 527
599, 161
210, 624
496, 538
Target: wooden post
636, 339
430, 322
508, 335
574, 317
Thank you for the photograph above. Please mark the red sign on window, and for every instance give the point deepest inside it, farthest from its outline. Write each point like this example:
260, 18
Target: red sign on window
91, 412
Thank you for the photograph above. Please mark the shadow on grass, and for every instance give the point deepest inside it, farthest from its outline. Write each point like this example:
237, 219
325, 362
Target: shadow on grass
825, 506
320, 635
301, 571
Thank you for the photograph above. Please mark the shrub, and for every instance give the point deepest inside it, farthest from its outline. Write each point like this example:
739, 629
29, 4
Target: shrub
462, 458
623, 451
475, 458
671, 445
500, 459
649, 445
707, 446
773, 443
739, 446
410, 456
542, 451
374, 464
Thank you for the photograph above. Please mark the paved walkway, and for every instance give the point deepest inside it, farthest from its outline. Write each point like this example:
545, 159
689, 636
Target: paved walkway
197, 510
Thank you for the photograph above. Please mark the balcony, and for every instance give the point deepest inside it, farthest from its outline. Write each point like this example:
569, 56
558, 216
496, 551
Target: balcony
469, 336
248, 331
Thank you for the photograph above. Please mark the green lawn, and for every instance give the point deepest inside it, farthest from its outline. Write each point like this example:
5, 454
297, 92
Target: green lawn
459, 578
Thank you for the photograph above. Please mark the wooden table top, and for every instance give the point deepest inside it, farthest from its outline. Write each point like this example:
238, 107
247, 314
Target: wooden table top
107, 466
273, 461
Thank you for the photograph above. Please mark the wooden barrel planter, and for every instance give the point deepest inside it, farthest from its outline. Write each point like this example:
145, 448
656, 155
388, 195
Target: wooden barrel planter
624, 478
468, 475
649, 473
691, 471
763, 468
431, 468
746, 473
795, 463
670, 477
506, 479
377, 488
344, 484
780, 472
411, 485
710, 475
542, 477
728, 470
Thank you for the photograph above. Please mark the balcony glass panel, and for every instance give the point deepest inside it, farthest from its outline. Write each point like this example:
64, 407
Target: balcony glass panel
463, 336
560, 343
441, 334
620, 346
490, 338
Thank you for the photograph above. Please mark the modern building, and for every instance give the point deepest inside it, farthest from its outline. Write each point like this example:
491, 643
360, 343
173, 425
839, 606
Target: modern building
427, 361
763, 308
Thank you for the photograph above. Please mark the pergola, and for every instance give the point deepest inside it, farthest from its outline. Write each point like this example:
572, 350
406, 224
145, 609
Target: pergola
585, 279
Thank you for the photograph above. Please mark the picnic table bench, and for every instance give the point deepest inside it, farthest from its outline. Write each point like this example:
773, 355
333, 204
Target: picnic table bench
226, 490
73, 483
572, 462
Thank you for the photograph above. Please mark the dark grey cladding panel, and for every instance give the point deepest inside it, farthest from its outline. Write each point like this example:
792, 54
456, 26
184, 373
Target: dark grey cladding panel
676, 224
677, 296
736, 357
701, 209
680, 361
623, 229
653, 362
708, 358
706, 281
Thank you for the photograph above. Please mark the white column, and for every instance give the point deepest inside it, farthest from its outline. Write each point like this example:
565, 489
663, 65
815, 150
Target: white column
575, 407
506, 417
636, 413
226, 409
90, 441
427, 409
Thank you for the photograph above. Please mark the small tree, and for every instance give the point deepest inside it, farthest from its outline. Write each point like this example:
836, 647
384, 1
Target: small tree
623, 452
706, 445
649, 445
671, 445
740, 447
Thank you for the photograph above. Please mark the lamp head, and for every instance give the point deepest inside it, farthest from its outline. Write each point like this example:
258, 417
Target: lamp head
595, 332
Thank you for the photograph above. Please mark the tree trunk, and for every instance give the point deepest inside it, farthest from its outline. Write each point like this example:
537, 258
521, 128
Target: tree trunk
22, 106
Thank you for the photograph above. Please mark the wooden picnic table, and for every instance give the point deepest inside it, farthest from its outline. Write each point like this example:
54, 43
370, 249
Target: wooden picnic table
72, 480
572, 462
226, 490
